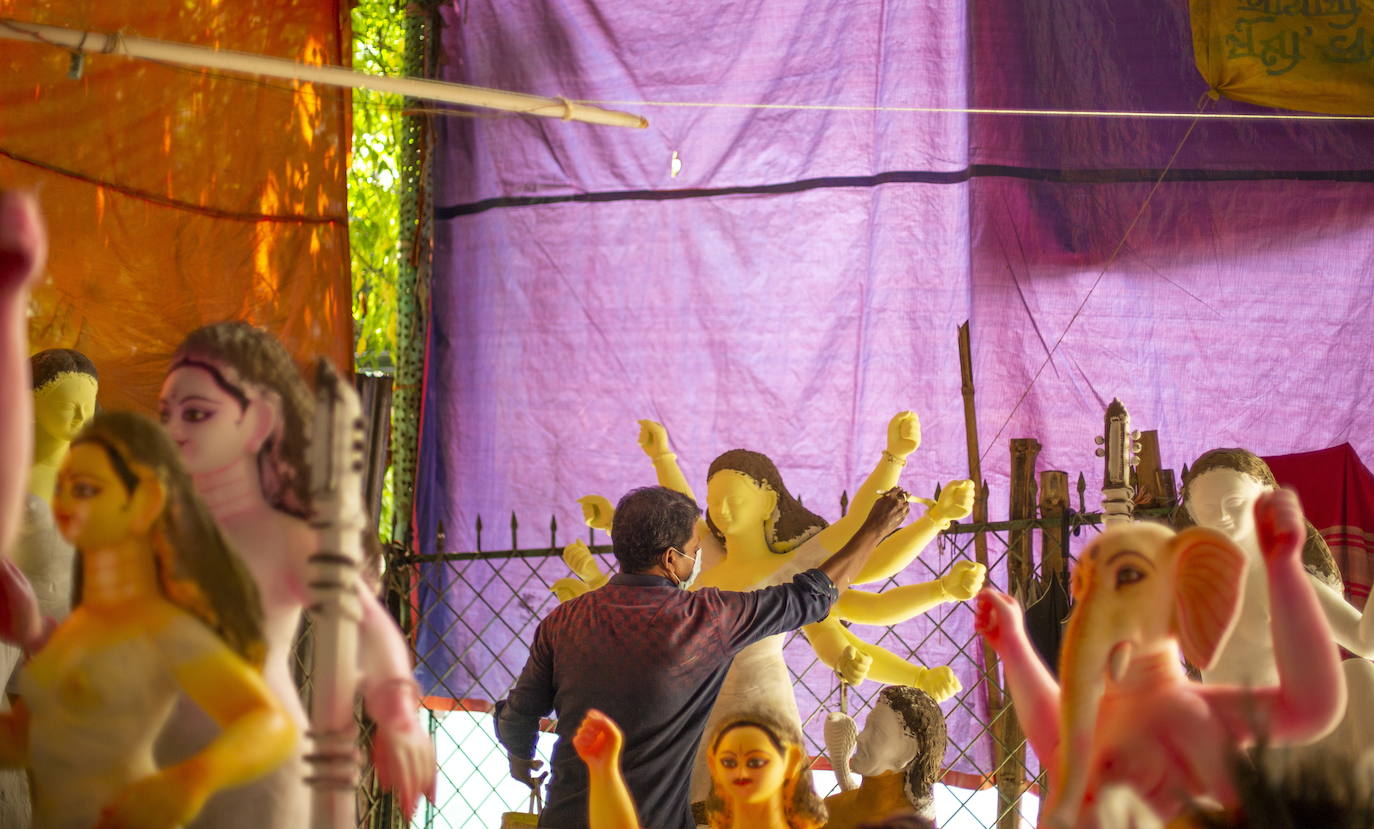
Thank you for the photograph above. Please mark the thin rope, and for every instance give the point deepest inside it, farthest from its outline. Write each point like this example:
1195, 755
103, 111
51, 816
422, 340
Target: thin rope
1112, 259
1058, 113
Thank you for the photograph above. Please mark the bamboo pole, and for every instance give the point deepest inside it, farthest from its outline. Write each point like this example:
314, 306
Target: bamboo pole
1011, 779
998, 712
144, 48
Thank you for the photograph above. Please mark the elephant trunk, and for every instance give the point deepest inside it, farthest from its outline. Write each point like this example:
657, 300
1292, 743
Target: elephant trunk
1090, 648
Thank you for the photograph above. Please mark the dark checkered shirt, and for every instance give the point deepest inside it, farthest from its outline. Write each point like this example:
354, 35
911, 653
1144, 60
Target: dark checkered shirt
652, 657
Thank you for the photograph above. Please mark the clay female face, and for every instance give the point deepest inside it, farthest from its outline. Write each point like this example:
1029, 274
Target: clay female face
1224, 500
884, 745
210, 418
62, 405
735, 502
747, 766
92, 505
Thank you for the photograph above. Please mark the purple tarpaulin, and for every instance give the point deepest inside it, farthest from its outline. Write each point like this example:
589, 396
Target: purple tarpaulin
801, 280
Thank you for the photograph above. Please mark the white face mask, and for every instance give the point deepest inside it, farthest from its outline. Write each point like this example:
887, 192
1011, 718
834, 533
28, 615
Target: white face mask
696, 570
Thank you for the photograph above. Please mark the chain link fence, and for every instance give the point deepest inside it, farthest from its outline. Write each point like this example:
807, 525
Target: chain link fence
474, 613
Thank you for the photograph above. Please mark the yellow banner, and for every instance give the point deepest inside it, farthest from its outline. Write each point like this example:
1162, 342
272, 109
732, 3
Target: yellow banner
1310, 55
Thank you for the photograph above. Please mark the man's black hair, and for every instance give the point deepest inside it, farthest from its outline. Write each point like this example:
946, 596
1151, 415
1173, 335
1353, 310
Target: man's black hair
648, 521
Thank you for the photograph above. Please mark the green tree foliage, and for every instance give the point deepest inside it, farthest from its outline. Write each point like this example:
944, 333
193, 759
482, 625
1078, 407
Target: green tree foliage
374, 184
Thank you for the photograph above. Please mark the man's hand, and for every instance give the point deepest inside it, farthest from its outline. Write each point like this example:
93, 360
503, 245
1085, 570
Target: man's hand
522, 769
1279, 526
597, 512
964, 580
903, 434
653, 439
854, 665
888, 512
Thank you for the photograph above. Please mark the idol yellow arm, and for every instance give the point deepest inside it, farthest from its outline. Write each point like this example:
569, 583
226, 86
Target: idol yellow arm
608, 801
256, 734
653, 439
828, 638
903, 438
598, 742
896, 604
14, 736
901, 548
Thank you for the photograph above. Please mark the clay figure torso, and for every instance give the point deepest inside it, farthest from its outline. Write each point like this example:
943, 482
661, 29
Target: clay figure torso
758, 679
79, 761
280, 799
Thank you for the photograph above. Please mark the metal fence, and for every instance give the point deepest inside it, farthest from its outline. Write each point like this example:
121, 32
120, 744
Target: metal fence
474, 613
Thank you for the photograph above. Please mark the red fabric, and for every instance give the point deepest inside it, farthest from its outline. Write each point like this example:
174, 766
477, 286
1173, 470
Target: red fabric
1337, 493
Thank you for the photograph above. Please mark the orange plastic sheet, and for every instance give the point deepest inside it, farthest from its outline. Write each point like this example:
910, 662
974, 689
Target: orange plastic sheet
176, 196
1310, 55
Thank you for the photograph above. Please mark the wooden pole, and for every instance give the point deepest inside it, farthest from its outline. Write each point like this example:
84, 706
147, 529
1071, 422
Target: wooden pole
1011, 779
999, 713
248, 63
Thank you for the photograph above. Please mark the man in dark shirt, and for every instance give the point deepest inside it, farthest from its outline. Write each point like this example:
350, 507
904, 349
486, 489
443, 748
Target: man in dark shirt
653, 656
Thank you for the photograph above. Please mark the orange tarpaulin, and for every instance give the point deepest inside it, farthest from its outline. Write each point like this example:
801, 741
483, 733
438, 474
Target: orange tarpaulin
1311, 55
176, 196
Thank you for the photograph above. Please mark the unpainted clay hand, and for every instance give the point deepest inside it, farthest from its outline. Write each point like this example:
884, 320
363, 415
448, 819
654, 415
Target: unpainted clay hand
598, 741
888, 512
854, 665
165, 800
997, 618
940, 683
964, 580
1279, 526
903, 434
956, 501
580, 560
653, 439
597, 512
402, 753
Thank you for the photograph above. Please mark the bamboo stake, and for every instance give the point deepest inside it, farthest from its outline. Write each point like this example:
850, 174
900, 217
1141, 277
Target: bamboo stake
997, 712
249, 63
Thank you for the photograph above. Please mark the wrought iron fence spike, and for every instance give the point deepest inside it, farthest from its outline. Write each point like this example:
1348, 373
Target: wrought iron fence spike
514, 533
479, 532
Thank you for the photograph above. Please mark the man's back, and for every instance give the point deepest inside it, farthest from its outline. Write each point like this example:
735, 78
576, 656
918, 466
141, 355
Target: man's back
652, 657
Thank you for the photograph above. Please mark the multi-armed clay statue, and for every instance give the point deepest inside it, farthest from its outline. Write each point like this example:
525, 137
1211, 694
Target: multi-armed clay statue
166, 607
767, 537
760, 778
1127, 714
1220, 493
899, 753
239, 411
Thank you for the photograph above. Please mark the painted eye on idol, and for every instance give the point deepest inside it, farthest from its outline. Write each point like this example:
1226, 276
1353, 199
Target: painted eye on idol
728, 762
756, 762
1128, 575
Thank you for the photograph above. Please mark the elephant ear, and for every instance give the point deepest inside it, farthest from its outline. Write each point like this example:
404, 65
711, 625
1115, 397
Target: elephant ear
1209, 581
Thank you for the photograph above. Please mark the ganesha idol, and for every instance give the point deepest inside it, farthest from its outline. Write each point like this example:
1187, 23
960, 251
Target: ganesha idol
1126, 714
